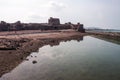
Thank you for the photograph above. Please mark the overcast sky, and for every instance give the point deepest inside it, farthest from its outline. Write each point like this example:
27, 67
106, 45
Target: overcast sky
92, 13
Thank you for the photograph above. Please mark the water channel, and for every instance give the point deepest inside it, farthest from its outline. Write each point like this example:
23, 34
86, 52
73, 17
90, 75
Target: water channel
87, 59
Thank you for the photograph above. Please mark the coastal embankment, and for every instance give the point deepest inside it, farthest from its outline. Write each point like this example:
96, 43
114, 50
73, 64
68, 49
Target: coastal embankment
113, 37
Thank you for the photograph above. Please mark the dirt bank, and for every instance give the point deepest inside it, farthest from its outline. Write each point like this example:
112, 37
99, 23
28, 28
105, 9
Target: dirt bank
113, 37
15, 48
109, 35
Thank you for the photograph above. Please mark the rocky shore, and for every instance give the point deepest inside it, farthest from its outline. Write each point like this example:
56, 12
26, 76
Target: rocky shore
14, 49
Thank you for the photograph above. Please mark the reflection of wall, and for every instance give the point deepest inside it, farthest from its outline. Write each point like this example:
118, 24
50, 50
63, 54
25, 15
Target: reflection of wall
28, 47
57, 42
80, 39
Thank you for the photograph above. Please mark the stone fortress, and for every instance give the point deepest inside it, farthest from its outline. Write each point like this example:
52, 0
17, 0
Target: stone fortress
53, 24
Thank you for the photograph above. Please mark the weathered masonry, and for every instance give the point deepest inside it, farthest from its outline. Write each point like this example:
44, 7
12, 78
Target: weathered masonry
53, 24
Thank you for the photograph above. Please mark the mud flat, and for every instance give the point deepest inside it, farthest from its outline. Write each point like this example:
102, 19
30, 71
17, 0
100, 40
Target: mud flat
15, 48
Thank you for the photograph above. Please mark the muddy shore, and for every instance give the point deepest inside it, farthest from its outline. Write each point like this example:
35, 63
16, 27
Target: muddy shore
113, 37
15, 48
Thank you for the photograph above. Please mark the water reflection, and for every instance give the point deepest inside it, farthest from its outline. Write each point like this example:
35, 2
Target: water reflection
46, 49
13, 60
90, 59
57, 42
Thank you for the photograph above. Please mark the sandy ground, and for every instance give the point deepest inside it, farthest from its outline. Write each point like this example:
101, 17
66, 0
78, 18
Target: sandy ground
26, 42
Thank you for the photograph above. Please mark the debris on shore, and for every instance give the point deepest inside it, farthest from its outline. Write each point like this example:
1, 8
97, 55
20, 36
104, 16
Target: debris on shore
34, 62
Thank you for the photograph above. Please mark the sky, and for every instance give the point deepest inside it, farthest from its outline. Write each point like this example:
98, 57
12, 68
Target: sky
92, 13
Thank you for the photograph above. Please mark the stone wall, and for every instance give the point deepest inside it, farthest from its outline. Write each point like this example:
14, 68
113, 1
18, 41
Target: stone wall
80, 28
54, 21
53, 24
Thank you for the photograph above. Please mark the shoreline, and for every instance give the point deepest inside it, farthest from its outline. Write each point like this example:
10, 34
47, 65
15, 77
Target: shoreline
14, 48
113, 37
25, 44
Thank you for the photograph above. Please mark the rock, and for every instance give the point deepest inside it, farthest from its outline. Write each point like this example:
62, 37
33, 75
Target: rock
6, 44
34, 62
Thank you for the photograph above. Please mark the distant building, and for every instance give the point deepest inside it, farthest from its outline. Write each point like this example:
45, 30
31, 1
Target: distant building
4, 26
54, 21
53, 24
80, 28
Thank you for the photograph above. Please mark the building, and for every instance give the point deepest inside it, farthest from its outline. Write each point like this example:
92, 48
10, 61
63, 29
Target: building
80, 28
4, 26
54, 21
53, 24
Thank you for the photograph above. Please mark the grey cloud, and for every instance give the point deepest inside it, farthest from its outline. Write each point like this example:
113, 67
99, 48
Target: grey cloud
56, 6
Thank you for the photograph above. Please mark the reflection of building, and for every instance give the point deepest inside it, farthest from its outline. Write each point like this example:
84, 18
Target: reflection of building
57, 42
54, 21
80, 39
54, 43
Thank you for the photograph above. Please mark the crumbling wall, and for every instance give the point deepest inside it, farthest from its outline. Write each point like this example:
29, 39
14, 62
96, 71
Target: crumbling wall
4, 26
54, 21
53, 24
80, 28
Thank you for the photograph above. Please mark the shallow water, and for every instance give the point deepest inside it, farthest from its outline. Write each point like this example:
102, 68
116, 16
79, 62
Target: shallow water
90, 59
